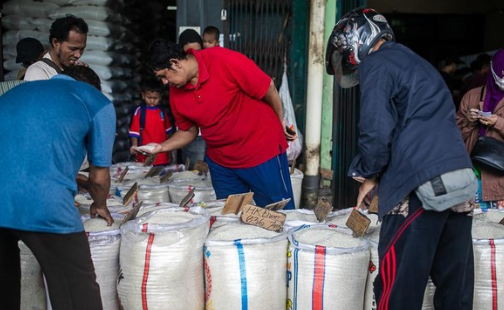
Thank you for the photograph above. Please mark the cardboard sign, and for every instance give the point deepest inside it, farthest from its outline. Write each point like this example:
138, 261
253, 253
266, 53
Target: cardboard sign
234, 203
373, 207
187, 198
130, 194
202, 167
264, 218
502, 221
187, 162
153, 171
132, 214
165, 177
150, 159
322, 209
358, 223
123, 174
277, 205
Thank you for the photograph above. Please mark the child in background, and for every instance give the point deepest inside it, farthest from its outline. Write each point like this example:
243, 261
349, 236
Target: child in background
150, 122
211, 37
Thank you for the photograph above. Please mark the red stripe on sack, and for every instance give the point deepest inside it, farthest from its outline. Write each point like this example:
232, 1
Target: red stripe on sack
136, 198
494, 274
318, 278
146, 267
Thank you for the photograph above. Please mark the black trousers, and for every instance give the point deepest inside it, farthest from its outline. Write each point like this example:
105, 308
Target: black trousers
65, 260
423, 244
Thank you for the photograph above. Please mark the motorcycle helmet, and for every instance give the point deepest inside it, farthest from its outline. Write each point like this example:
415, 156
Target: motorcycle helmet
351, 40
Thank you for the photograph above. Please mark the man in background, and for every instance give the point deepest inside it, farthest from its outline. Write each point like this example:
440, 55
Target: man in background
67, 36
29, 51
47, 128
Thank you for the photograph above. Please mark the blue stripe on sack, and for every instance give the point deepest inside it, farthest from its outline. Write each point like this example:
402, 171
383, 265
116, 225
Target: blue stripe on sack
295, 276
243, 274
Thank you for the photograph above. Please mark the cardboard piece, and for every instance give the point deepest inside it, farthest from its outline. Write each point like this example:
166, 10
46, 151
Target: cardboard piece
130, 194
234, 203
187, 162
131, 215
322, 209
123, 174
166, 176
277, 205
187, 198
264, 218
373, 207
358, 223
153, 171
502, 221
150, 159
202, 167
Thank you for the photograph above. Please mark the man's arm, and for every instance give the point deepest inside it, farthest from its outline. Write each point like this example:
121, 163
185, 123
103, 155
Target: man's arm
98, 187
179, 139
273, 99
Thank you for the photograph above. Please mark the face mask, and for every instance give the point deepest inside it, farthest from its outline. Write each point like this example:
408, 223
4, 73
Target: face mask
498, 81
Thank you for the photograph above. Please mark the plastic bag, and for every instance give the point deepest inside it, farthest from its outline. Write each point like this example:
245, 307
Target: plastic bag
296, 146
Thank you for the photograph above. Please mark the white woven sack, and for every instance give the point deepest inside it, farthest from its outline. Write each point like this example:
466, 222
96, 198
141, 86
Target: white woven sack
32, 283
245, 268
299, 217
86, 12
104, 245
99, 43
489, 269
373, 269
29, 8
42, 24
203, 189
326, 277
161, 260
11, 65
13, 36
17, 22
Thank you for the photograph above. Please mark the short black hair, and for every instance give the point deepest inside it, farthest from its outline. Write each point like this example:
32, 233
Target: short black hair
159, 53
84, 74
212, 30
61, 27
151, 84
190, 36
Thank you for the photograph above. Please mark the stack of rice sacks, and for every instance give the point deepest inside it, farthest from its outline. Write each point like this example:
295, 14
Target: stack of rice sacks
161, 260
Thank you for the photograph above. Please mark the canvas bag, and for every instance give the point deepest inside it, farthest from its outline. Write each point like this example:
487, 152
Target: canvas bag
448, 190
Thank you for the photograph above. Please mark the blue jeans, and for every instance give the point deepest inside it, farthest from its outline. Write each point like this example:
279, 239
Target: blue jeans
194, 151
270, 181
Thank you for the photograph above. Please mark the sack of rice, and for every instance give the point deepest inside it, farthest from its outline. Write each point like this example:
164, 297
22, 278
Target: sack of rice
327, 269
114, 204
104, 243
491, 215
430, 290
161, 260
373, 268
215, 208
339, 217
33, 294
488, 246
299, 217
203, 189
245, 268
156, 206
150, 190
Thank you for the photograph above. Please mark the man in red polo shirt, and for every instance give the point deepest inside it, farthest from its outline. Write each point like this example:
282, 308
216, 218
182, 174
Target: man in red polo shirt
239, 112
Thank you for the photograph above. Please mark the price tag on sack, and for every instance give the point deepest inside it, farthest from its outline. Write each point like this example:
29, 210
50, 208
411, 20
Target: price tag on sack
264, 218
322, 209
166, 177
123, 174
373, 207
130, 194
150, 159
277, 205
358, 223
187, 198
234, 203
154, 171
131, 215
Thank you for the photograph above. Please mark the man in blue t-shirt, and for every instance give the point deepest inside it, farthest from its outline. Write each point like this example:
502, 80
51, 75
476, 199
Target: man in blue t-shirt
47, 127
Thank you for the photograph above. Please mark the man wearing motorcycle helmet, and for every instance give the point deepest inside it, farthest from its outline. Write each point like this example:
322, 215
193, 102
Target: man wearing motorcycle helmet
408, 137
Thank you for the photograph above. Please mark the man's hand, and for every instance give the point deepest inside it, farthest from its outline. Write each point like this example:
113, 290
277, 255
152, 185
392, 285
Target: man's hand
367, 186
104, 212
289, 132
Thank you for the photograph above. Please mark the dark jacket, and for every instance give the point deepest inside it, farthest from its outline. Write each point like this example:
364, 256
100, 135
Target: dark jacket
408, 133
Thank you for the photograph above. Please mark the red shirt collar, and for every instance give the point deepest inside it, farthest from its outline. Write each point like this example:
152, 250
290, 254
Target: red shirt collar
203, 74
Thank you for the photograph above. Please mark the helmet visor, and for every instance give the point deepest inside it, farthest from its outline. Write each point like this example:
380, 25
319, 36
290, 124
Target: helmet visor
345, 76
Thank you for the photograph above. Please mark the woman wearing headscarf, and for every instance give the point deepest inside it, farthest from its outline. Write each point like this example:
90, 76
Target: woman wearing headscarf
473, 122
